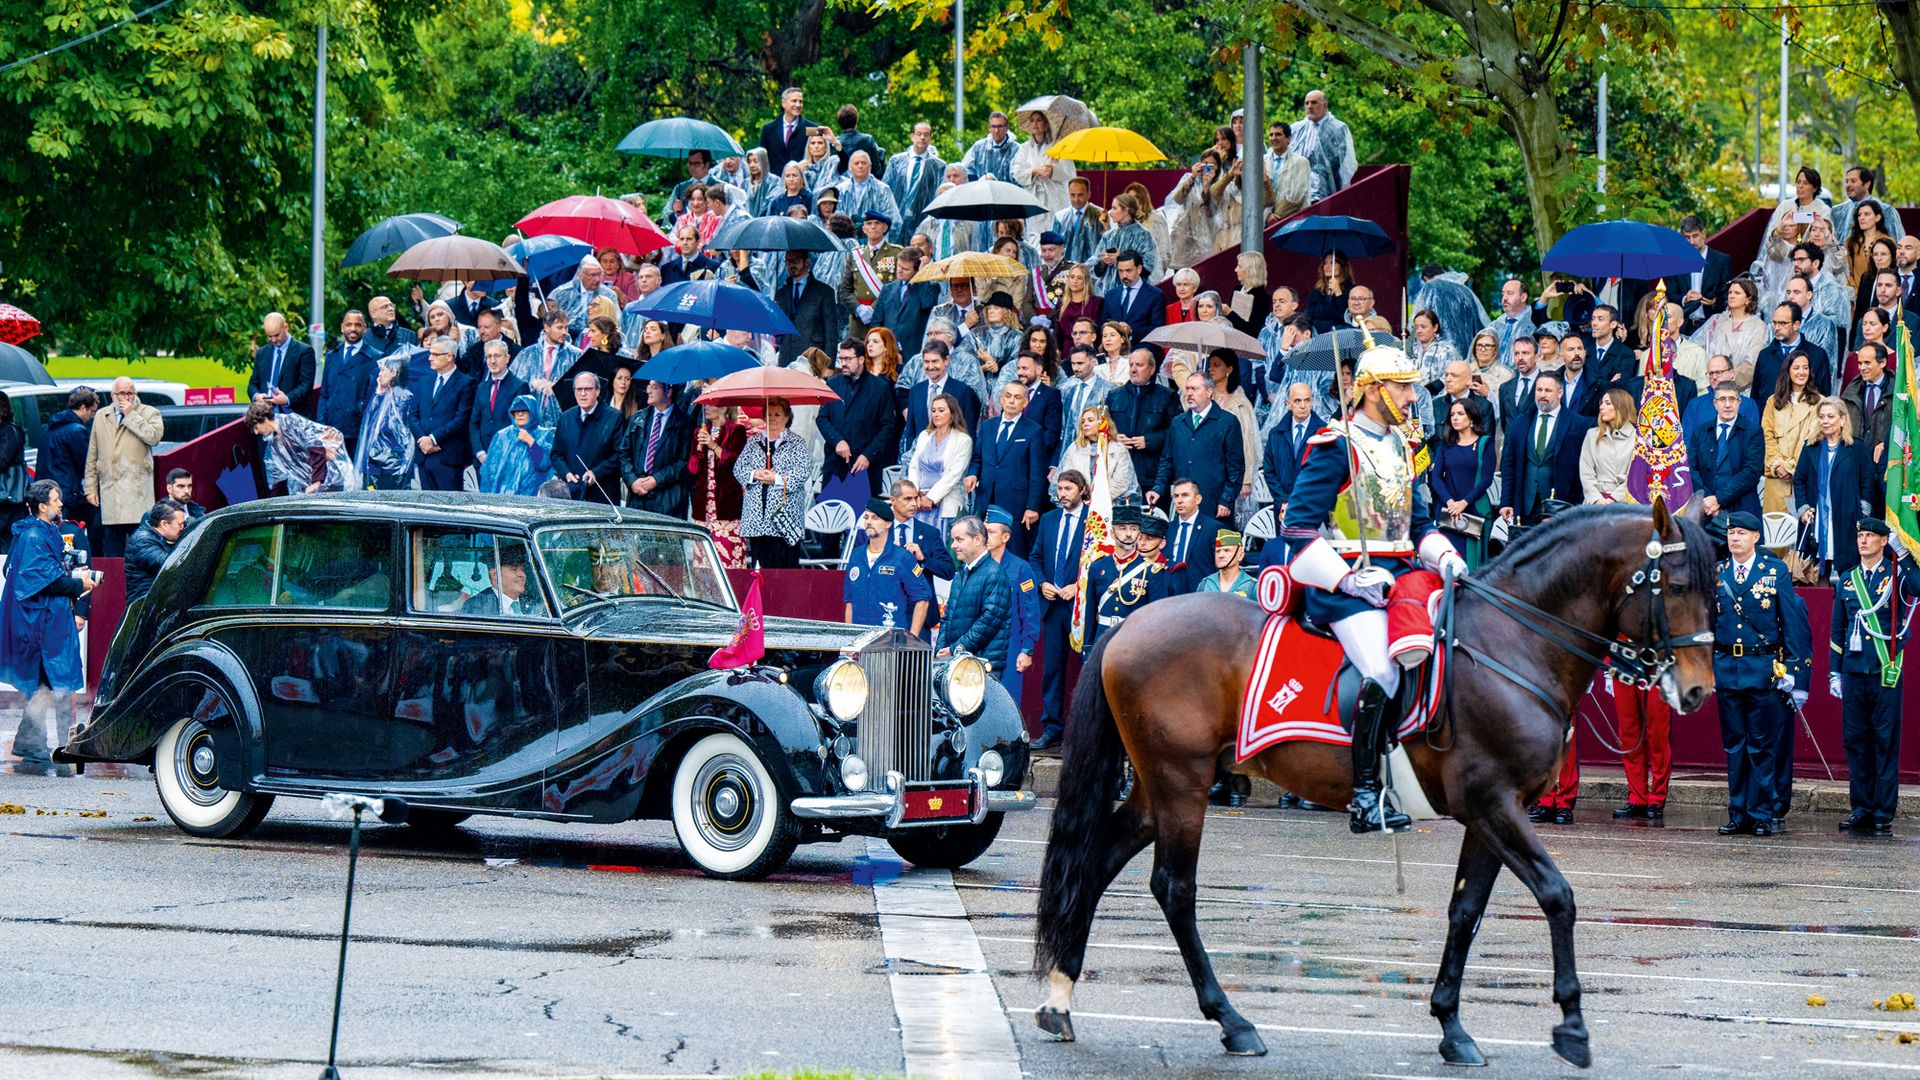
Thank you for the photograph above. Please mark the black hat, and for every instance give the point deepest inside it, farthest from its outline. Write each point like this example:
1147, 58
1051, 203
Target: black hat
1051, 237
1152, 524
1126, 514
1740, 519
880, 508
1874, 525
1002, 299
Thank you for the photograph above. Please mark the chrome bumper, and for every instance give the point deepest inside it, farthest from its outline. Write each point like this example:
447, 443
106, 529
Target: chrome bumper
891, 805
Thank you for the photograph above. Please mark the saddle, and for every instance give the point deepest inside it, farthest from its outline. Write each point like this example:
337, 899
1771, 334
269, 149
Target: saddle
1302, 687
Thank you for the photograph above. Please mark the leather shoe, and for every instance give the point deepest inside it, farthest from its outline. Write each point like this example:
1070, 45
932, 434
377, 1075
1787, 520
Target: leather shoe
1048, 740
1656, 811
1735, 828
1563, 816
1629, 811
1289, 801
1858, 824
1762, 828
1220, 794
1883, 828
1538, 814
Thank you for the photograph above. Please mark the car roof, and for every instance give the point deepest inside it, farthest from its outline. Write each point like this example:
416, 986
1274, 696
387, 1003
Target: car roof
451, 507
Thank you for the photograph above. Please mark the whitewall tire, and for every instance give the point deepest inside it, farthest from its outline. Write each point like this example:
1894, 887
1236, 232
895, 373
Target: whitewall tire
728, 812
187, 772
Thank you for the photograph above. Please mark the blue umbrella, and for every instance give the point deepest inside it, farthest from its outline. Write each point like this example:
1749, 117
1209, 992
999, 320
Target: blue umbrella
1623, 249
1356, 238
698, 360
550, 260
714, 304
676, 136
780, 233
395, 235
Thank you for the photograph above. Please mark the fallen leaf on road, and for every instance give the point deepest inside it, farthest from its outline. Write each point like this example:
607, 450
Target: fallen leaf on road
144, 817
1816, 999
12, 808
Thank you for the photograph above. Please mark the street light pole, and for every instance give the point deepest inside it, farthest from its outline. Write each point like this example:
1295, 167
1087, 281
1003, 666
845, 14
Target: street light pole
959, 65
316, 284
1786, 39
1253, 158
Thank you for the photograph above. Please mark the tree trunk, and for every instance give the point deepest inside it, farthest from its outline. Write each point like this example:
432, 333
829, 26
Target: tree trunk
1534, 123
1903, 34
794, 44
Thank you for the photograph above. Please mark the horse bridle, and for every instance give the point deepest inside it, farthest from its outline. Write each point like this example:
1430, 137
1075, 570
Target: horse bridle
1640, 664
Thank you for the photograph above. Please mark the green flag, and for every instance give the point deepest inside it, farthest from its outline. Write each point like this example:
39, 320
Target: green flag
1903, 472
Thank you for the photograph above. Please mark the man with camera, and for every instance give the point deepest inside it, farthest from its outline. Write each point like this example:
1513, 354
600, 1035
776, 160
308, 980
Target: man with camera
39, 632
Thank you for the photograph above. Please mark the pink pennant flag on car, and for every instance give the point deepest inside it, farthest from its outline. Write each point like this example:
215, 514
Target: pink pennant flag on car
749, 641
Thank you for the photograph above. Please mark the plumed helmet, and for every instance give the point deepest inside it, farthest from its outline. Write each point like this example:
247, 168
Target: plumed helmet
1384, 364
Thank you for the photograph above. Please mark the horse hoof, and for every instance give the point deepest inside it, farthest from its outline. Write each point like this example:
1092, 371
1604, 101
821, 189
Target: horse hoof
1570, 1042
1244, 1043
1054, 1022
1463, 1052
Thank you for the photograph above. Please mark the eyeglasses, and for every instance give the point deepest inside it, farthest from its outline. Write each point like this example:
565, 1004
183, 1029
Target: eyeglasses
123, 393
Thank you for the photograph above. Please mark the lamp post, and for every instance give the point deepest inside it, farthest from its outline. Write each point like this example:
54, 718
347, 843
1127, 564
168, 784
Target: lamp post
316, 284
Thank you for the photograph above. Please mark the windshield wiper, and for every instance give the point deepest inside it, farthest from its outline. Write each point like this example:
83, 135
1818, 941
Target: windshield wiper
595, 593
660, 581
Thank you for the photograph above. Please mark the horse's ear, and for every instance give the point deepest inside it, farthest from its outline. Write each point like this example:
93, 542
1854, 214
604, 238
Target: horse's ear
1661, 519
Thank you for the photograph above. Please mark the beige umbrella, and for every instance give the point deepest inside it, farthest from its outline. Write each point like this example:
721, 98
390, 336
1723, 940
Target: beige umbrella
970, 264
455, 258
1065, 115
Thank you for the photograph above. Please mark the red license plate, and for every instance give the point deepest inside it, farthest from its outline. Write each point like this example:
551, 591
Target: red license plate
938, 804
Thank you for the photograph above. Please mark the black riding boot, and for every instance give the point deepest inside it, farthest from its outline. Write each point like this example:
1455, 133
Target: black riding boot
1369, 741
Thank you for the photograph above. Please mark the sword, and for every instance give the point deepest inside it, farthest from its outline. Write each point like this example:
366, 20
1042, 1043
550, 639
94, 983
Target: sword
1808, 726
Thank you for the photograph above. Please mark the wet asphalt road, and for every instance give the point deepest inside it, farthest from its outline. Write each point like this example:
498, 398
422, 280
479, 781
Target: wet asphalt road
130, 950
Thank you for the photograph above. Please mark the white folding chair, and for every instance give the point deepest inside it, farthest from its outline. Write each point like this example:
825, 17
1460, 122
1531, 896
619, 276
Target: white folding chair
1261, 526
888, 475
828, 519
1779, 530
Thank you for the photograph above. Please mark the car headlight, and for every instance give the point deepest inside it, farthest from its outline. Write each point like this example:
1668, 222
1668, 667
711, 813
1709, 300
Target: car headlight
992, 768
853, 773
842, 688
965, 687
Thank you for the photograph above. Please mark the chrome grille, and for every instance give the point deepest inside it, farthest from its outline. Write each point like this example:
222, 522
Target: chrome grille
896, 729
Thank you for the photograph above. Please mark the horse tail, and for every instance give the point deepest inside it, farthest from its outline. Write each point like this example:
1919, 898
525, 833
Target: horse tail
1083, 829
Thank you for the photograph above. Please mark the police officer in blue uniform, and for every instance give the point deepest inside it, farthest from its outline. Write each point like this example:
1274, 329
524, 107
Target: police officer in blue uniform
1761, 664
1023, 603
1872, 614
885, 585
1120, 583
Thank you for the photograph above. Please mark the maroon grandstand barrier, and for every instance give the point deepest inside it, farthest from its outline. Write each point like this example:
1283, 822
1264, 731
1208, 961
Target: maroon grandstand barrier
225, 464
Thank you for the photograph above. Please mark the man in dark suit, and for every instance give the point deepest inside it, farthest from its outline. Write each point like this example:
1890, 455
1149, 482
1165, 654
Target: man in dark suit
810, 305
1516, 394
920, 540
1542, 458
858, 429
468, 305
1580, 386
1009, 467
1287, 446
1190, 536
1142, 411
1726, 456
1610, 361
1056, 566
1457, 385
1886, 297
904, 307
934, 360
493, 399
437, 414
283, 369
473, 361
1703, 292
686, 262
1869, 398
1203, 445
385, 333
346, 383
1132, 300
1786, 343
1043, 403
784, 138
653, 455
586, 444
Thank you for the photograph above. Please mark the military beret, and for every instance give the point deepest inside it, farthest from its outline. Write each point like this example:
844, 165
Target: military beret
877, 215
1740, 519
1051, 237
1874, 525
880, 508
998, 516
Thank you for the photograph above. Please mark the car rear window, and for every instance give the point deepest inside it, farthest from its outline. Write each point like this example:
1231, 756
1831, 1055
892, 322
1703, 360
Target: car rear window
309, 564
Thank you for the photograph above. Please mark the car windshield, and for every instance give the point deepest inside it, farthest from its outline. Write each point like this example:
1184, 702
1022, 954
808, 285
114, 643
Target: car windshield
606, 562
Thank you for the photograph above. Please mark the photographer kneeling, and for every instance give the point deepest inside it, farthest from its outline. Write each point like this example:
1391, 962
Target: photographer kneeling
39, 635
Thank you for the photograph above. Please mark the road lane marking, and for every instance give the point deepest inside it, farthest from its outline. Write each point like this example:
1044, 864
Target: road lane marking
952, 1022
1450, 866
1847, 888
1889, 1067
1378, 962
1801, 1021
1374, 908
1290, 1029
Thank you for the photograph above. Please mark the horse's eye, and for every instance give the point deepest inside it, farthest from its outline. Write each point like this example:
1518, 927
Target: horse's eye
1678, 588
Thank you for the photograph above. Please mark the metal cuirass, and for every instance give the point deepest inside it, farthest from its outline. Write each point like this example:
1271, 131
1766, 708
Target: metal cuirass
1377, 504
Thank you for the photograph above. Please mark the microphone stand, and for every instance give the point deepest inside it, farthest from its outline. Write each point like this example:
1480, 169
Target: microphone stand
390, 810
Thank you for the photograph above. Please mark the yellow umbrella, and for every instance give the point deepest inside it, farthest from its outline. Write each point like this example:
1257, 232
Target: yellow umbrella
1106, 145
970, 264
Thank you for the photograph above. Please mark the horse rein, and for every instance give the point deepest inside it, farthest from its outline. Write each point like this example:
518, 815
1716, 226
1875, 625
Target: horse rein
1638, 664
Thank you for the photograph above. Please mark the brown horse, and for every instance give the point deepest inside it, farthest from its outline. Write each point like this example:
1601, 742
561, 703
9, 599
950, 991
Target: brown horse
1165, 689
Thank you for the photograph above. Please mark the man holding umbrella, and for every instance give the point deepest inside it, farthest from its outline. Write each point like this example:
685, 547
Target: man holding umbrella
654, 453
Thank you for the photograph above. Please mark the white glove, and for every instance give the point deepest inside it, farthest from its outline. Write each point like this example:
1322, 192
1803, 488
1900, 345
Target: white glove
1833, 685
866, 312
1784, 684
1453, 567
1799, 699
1370, 584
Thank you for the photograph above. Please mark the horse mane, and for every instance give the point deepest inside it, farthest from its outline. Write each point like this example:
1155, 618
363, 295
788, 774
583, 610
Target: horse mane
1572, 525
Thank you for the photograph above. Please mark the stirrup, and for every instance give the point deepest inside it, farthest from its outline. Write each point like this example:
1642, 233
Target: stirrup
1379, 816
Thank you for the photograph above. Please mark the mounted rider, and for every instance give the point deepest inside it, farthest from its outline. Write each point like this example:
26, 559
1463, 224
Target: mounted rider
1333, 521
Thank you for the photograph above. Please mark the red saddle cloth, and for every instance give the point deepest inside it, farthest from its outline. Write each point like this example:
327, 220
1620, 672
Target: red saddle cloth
1290, 694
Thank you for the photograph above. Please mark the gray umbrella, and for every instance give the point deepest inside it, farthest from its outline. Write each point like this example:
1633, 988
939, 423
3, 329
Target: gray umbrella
1204, 337
1317, 352
19, 365
985, 200
1065, 115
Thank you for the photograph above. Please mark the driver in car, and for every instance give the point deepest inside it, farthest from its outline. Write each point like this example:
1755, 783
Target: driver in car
508, 594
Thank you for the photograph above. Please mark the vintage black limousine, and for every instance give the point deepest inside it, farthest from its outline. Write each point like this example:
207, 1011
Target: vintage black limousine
477, 654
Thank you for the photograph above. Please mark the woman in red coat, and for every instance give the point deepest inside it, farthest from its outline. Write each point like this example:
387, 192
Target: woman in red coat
1077, 302
1186, 293
716, 494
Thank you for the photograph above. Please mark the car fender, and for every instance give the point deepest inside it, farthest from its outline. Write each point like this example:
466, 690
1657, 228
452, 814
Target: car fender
199, 677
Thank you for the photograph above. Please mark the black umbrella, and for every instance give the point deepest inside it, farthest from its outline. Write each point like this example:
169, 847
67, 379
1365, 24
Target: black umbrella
1318, 353
395, 235
984, 200
19, 365
600, 363
780, 233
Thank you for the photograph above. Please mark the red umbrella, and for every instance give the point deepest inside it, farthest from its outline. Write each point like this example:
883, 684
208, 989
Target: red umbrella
755, 385
16, 326
598, 220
